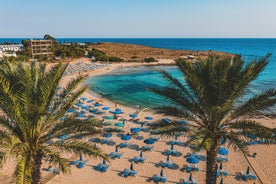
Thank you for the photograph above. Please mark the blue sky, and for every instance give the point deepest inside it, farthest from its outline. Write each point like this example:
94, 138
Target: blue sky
138, 18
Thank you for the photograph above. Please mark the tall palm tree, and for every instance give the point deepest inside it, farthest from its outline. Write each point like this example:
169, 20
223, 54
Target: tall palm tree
209, 101
30, 119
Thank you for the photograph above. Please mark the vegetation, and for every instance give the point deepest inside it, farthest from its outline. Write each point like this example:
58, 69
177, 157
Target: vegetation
101, 56
208, 100
150, 60
70, 50
31, 120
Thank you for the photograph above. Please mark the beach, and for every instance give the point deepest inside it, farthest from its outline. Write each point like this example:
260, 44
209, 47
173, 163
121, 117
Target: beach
264, 163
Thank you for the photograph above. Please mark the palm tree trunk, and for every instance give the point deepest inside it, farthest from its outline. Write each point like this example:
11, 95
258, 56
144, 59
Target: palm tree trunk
211, 174
36, 174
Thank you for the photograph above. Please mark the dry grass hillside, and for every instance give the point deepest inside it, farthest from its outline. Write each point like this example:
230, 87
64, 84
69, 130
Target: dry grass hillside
132, 52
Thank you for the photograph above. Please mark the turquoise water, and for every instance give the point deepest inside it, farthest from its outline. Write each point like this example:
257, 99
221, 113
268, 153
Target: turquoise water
129, 85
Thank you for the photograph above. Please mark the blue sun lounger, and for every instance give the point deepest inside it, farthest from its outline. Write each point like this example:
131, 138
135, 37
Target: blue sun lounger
126, 172
133, 173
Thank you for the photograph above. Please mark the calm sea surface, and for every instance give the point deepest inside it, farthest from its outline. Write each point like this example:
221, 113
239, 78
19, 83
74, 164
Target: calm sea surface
129, 85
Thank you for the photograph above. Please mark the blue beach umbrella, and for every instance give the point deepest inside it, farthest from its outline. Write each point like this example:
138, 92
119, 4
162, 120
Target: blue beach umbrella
107, 135
63, 136
192, 159
166, 120
97, 104
126, 137
62, 119
85, 107
71, 110
223, 151
89, 101
105, 108
93, 110
50, 109
135, 130
119, 124
149, 141
83, 98
78, 104
80, 115
183, 122
133, 115
149, 118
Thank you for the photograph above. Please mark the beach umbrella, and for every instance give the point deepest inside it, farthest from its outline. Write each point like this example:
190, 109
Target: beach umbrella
192, 159
183, 122
97, 104
62, 119
104, 161
161, 172
135, 130
133, 115
191, 177
223, 151
116, 148
141, 153
220, 166
93, 110
221, 181
89, 101
85, 107
105, 108
168, 158
248, 170
166, 120
107, 135
131, 166
149, 141
126, 137
78, 104
119, 124
118, 110
71, 110
149, 118
83, 98
50, 109
80, 115
63, 136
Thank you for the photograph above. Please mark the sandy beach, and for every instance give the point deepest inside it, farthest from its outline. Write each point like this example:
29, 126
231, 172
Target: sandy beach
264, 163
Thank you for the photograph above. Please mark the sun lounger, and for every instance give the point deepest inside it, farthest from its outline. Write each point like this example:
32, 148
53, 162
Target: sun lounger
245, 177
253, 177
225, 173
170, 165
123, 145
163, 164
196, 168
186, 182
218, 173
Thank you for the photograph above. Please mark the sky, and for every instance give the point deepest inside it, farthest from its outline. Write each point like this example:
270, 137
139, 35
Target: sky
138, 18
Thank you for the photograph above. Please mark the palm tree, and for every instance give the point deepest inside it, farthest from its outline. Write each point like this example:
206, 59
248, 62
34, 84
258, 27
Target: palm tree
30, 119
209, 101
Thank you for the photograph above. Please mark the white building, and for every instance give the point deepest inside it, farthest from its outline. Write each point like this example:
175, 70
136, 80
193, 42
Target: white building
11, 47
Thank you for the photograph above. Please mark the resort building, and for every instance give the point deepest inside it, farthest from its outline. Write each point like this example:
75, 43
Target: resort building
40, 47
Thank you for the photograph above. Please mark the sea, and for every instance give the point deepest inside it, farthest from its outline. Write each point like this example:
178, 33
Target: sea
129, 86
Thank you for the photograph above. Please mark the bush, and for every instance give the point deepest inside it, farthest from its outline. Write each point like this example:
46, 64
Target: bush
150, 60
115, 59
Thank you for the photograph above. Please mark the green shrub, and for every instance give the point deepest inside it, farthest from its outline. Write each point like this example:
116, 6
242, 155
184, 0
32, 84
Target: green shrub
150, 60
